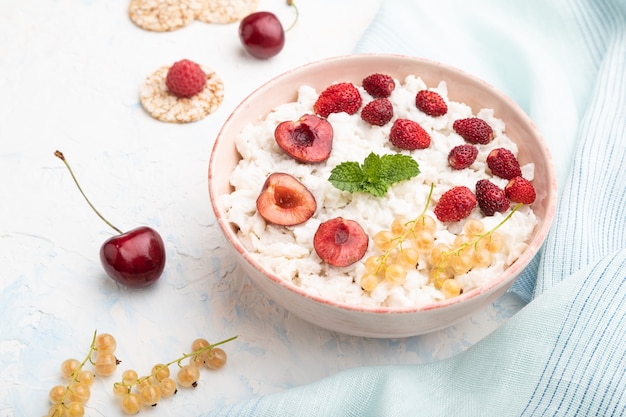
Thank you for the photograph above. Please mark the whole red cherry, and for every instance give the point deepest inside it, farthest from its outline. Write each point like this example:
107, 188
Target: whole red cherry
262, 34
135, 258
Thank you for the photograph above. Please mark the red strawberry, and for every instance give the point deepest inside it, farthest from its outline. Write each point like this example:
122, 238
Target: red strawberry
462, 156
431, 103
377, 112
340, 97
378, 85
503, 163
408, 134
455, 204
520, 190
473, 130
491, 198
185, 79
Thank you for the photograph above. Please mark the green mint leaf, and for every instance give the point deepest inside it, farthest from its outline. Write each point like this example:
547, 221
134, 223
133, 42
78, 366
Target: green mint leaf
372, 168
376, 189
397, 167
347, 176
375, 175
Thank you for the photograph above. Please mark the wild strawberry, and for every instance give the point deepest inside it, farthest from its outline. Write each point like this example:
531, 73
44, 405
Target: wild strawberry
377, 112
491, 198
185, 79
340, 97
520, 190
503, 163
431, 103
378, 85
462, 156
455, 204
408, 134
473, 130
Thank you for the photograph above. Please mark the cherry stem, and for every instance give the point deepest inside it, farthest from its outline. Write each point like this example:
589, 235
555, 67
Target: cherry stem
295, 20
60, 155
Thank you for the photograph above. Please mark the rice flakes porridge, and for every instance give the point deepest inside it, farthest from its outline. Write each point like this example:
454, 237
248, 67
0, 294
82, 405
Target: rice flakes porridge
288, 251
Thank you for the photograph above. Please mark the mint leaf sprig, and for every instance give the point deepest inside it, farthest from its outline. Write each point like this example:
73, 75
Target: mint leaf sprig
375, 175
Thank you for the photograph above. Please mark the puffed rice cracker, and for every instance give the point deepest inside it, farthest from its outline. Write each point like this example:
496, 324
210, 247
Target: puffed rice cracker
225, 11
162, 15
166, 107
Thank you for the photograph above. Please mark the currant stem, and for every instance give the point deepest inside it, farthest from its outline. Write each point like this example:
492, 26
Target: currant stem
430, 194
482, 236
77, 371
199, 351
60, 155
292, 3
506, 218
178, 361
411, 230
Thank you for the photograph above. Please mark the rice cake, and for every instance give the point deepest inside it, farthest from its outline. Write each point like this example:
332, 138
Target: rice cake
162, 15
225, 11
166, 107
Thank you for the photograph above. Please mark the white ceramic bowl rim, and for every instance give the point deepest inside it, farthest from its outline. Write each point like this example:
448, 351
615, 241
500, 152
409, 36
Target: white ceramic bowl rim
513, 269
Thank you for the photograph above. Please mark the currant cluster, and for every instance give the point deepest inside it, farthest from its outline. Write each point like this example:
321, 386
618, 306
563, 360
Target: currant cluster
137, 391
474, 248
409, 242
69, 400
401, 247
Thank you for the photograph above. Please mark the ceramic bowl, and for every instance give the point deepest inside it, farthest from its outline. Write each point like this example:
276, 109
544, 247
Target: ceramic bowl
382, 322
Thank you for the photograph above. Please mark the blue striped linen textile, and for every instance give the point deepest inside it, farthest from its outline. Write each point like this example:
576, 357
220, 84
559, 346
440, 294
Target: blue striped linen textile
563, 354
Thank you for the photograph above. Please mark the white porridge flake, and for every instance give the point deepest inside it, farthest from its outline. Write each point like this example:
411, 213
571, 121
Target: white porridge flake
288, 251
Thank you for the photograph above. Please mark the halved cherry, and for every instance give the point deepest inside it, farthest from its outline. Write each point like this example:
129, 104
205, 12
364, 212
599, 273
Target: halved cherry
285, 201
308, 139
340, 242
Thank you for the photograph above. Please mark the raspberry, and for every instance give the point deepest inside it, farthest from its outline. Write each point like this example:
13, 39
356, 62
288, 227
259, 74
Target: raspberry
491, 198
462, 156
503, 163
431, 103
378, 85
377, 112
473, 130
185, 79
520, 190
455, 204
340, 97
408, 134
